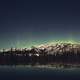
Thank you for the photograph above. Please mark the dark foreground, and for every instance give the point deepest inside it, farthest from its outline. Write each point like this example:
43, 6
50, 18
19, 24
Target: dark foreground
25, 73
20, 58
63, 54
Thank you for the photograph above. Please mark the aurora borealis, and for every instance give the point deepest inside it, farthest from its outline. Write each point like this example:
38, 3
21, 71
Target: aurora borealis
27, 23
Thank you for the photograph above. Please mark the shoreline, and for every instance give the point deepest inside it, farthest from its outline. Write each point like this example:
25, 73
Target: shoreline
58, 66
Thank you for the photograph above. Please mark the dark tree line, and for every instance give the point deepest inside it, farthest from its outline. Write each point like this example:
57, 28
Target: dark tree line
32, 57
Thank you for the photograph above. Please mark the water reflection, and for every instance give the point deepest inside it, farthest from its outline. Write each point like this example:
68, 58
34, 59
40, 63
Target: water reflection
29, 73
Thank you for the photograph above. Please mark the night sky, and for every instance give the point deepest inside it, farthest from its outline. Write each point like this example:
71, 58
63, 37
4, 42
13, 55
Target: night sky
24, 23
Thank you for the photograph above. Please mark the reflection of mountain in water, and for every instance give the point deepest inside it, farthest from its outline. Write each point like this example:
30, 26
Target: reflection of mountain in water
62, 54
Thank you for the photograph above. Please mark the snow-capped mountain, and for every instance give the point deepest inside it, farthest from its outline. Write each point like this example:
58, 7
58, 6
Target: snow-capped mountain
58, 48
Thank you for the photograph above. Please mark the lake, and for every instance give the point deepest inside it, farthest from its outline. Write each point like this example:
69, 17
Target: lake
34, 73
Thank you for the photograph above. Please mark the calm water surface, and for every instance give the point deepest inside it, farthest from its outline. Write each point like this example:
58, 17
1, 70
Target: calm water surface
26, 73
